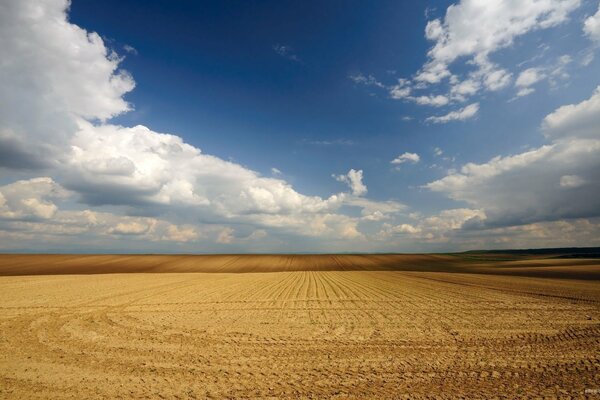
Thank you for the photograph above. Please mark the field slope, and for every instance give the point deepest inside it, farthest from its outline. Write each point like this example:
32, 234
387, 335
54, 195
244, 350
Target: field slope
552, 265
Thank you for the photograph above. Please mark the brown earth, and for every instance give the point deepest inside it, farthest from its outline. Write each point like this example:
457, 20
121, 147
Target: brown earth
497, 264
384, 326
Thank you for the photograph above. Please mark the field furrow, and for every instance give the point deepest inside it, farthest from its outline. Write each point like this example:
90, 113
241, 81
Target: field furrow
357, 334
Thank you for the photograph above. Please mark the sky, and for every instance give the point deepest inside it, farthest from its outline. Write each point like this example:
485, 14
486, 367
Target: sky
298, 126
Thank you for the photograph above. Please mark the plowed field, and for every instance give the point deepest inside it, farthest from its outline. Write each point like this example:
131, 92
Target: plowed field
299, 334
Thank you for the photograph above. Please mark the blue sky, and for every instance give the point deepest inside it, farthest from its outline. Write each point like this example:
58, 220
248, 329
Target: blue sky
307, 126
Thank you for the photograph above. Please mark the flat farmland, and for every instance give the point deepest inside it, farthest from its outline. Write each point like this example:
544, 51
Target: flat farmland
369, 328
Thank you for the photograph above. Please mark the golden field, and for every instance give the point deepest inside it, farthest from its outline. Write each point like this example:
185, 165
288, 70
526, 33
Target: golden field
299, 326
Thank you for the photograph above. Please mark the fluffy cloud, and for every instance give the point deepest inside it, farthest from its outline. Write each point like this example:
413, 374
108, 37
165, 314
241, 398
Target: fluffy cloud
471, 32
528, 78
555, 181
450, 229
591, 26
53, 73
575, 120
401, 90
462, 114
354, 181
436, 101
117, 165
476, 29
35, 207
406, 157
30, 199
461, 90
435, 228
531, 76
60, 86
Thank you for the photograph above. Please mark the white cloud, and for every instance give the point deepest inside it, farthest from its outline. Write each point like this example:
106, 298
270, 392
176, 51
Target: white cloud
375, 210
354, 181
57, 72
401, 90
34, 207
464, 89
30, 199
131, 228
389, 230
494, 78
531, 186
525, 91
406, 157
166, 171
435, 228
575, 120
472, 31
591, 26
59, 89
184, 233
475, 29
459, 115
458, 229
436, 101
529, 77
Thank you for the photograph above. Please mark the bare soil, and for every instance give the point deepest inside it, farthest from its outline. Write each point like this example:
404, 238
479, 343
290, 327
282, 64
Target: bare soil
389, 326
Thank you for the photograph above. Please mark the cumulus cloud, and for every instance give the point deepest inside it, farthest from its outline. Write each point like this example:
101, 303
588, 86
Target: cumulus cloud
580, 120
59, 91
354, 181
476, 30
406, 157
435, 228
36, 207
462, 114
470, 33
591, 26
452, 229
57, 73
30, 199
555, 181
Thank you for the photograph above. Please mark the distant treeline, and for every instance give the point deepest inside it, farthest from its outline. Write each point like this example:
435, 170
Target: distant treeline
562, 252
